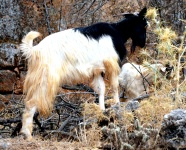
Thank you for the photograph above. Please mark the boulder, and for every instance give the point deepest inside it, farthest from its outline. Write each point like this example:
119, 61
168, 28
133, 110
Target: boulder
10, 14
173, 130
8, 55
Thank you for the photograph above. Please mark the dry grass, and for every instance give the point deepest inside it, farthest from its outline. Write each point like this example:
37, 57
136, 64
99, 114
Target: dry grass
151, 111
38, 144
169, 95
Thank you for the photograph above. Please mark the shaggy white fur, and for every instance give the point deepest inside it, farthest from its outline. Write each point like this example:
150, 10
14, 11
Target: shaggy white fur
75, 55
65, 57
131, 79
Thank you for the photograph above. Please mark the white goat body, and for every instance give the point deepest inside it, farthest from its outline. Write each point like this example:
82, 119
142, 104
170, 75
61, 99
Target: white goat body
135, 80
65, 57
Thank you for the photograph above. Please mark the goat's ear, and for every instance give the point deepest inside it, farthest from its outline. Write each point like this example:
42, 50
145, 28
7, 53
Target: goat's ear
143, 12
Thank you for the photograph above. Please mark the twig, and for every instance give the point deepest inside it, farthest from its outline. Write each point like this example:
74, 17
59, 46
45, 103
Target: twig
64, 133
88, 8
64, 123
141, 97
73, 106
78, 87
14, 120
47, 17
98, 7
144, 79
140, 74
181, 52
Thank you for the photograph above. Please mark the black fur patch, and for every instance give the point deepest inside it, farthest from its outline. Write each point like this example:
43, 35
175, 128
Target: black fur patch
133, 26
99, 30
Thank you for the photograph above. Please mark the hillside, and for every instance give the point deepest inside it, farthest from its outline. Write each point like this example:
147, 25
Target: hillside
155, 121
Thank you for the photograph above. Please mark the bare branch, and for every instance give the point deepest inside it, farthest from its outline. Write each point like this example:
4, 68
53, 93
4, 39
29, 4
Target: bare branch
141, 97
47, 17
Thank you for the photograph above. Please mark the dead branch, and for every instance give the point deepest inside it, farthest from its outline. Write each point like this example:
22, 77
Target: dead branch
64, 133
81, 87
141, 97
9, 121
65, 103
65, 117
91, 4
47, 17
64, 123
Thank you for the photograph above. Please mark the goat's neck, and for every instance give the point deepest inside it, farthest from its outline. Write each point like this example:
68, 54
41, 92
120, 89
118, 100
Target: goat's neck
124, 28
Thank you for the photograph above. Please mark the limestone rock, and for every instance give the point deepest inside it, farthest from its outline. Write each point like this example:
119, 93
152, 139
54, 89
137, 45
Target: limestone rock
9, 20
8, 55
173, 130
132, 105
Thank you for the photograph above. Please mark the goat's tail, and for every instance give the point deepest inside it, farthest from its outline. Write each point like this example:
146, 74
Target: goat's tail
27, 43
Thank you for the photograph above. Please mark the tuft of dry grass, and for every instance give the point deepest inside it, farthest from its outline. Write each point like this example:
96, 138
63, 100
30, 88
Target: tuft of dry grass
152, 110
128, 118
92, 111
91, 137
89, 132
152, 14
165, 34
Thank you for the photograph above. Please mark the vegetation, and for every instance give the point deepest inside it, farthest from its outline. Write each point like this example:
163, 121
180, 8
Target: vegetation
78, 120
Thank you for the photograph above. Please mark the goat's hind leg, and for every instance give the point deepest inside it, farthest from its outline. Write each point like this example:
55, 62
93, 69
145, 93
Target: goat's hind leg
27, 119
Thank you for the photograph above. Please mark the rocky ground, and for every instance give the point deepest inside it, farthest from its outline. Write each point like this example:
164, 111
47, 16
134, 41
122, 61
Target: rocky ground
38, 144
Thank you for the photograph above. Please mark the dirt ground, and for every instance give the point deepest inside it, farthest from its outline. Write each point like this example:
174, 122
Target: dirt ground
18, 143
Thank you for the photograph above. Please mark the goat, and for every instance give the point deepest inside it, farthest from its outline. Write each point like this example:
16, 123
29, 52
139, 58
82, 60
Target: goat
74, 55
135, 79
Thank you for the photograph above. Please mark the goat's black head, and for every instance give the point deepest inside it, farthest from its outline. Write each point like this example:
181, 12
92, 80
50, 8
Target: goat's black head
138, 28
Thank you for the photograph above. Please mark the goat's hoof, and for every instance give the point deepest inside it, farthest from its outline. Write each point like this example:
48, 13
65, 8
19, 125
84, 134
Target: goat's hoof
25, 137
29, 138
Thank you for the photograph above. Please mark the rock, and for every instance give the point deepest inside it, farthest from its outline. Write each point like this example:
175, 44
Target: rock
132, 105
173, 130
10, 20
4, 145
8, 55
7, 80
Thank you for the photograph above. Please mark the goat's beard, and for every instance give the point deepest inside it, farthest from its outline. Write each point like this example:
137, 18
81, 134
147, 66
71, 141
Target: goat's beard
133, 47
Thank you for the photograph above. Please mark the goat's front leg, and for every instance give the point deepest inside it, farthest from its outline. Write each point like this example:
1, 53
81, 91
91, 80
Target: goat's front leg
114, 86
99, 87
27, 120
